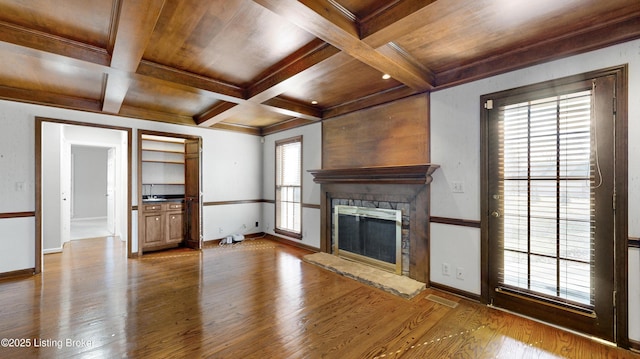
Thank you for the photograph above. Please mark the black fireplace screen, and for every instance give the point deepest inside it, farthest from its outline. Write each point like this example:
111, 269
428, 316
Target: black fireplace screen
369, 237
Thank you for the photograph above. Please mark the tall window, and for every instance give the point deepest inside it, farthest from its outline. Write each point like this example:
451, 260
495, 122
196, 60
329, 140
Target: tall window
289, 187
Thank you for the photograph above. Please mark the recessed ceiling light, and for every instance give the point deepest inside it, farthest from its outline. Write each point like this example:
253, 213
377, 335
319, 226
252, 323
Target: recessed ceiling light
386, 76
314, 102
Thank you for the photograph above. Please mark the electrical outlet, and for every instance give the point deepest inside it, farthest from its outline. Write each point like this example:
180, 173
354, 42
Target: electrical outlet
460, 273
446, 270
457, 187
220, 230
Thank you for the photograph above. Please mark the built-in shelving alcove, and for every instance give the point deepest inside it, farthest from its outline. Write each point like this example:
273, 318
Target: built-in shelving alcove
169, 195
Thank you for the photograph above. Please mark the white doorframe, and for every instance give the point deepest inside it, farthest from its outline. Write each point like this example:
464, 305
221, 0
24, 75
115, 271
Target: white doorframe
112, 190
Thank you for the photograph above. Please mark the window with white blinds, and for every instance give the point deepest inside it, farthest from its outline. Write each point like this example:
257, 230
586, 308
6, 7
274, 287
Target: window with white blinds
548, 180
289, 186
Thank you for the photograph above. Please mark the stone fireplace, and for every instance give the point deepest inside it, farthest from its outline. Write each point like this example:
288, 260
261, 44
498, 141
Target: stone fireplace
403, 188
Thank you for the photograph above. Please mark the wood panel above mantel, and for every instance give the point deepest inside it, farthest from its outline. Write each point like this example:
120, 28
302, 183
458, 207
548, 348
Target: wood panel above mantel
408, 174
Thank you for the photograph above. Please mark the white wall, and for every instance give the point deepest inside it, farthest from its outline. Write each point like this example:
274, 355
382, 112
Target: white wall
232, 170
455, 145
311, 160
51, 188
89, 181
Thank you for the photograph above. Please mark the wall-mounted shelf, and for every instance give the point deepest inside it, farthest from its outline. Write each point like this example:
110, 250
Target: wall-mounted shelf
165, 162
163, 184
162, 151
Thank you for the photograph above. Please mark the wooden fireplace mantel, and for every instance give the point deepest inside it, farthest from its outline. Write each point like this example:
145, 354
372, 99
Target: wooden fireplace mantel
409, 174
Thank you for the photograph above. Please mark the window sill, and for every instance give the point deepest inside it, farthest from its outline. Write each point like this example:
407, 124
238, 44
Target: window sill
288, 233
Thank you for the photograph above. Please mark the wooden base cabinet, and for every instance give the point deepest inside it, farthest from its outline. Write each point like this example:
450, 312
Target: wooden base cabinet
174, 224
163, 225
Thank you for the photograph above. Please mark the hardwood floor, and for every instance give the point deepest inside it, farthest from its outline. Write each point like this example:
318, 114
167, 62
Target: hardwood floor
255, 299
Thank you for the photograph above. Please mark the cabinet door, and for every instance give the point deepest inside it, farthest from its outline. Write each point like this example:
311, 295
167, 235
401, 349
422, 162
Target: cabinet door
175, 227
153, 229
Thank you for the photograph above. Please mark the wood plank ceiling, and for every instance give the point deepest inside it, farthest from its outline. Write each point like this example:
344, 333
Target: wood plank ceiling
260, 66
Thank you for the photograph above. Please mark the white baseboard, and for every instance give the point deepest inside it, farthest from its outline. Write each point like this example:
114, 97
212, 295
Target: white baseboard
52, 250
103, 218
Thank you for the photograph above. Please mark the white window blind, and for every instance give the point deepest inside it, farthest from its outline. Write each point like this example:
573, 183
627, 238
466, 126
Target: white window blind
548, 178
289, 185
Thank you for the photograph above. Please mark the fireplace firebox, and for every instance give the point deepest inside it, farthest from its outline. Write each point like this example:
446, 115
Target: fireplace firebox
370, 235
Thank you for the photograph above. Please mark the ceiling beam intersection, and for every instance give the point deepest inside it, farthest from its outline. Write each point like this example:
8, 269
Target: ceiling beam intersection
329, 24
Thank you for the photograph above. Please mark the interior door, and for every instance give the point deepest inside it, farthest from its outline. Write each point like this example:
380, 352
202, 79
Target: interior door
550, 201
193, 194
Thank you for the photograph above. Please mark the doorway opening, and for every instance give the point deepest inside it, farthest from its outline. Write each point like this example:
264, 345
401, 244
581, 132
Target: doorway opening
93, 190
71, 190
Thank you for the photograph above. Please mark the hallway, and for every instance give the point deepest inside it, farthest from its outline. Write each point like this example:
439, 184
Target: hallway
89, 228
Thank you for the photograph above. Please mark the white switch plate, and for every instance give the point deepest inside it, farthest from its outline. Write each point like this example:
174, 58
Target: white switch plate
457, 187
446, 269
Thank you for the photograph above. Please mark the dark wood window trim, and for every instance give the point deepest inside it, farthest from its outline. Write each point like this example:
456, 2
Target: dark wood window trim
286, 232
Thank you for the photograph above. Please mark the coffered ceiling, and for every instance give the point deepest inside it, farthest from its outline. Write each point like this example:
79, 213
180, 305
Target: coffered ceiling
260, 66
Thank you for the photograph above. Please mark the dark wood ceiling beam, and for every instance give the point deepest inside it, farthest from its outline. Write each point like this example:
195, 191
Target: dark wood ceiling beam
115, 89
368, 101
49, 99
218, 89
225, 110
393, 21
214, 117
274, 81
328, 24
285, 125
215, 110
543, 51
238, 128
47, 43
147, 114
293, 108
134, 23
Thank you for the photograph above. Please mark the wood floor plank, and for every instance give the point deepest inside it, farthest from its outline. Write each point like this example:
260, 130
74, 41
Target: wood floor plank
256, 299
